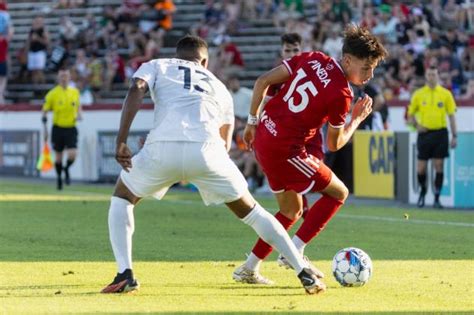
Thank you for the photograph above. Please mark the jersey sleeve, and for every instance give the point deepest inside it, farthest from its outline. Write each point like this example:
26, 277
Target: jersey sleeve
147, 72
450, 104
48, 104
292, 64
338, 110
413, 106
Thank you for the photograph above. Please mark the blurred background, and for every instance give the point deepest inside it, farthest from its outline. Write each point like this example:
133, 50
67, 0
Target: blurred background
103, 42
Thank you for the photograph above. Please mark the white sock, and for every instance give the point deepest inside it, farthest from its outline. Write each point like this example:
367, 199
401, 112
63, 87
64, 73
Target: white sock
300, 245
253, 262
121, 227
272, 232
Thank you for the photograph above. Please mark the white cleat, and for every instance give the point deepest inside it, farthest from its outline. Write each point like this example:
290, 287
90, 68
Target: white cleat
245, 275
283, 262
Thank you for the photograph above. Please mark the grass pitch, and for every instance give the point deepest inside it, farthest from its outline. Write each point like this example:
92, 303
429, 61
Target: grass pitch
55, 257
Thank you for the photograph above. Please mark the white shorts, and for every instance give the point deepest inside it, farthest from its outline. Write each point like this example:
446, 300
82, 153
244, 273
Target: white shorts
36, 60
206, 165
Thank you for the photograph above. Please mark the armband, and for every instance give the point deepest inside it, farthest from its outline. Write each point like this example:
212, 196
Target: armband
252, 120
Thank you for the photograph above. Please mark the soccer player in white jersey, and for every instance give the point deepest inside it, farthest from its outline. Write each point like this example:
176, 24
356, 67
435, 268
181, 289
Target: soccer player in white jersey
192, 130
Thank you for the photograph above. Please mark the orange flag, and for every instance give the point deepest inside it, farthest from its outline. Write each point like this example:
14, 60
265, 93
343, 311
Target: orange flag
45, 161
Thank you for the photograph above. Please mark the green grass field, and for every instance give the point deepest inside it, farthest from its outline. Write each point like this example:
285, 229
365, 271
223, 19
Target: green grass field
55, 257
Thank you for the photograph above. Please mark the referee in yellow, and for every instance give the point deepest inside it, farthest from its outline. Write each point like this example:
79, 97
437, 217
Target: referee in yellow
63, 101
431, 104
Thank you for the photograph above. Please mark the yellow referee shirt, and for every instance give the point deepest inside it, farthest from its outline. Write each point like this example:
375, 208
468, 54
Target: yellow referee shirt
64, 103
431, 106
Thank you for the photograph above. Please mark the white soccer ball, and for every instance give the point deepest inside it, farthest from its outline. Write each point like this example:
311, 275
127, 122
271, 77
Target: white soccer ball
352, 267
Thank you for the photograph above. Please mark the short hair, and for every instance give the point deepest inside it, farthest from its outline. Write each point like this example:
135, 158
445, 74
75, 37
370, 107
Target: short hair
359, 42
291, 38
189, 47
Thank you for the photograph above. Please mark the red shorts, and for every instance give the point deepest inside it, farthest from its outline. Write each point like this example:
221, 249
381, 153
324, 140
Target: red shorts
302, 173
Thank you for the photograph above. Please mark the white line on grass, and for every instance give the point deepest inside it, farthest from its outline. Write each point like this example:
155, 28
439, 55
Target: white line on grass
363, 217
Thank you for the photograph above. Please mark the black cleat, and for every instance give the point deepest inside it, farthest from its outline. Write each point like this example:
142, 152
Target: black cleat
123, 283
437, 205
310, 282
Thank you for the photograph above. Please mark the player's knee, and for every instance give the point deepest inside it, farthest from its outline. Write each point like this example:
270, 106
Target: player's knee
292, 214
343, 193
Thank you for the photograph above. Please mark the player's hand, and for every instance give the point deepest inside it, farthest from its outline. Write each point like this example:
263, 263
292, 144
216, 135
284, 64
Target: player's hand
123, 155
249, 136
362, 108
454, 142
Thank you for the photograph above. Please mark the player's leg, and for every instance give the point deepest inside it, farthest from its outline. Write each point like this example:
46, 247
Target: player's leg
270, 230
219, 180
290, 205
333, 197
440, 152
71, 153
121, 227
57, 140
421, 167
145, 177
438, 182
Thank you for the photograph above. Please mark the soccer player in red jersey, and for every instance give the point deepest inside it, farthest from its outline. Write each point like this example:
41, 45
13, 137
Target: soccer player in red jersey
316, 92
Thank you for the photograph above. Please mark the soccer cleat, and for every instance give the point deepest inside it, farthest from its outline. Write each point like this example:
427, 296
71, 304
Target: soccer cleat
310, 282
123, 283
245, 275
437, 205
283, 262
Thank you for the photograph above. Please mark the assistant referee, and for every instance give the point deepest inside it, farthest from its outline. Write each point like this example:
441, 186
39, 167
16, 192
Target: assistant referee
431, 104
63, 101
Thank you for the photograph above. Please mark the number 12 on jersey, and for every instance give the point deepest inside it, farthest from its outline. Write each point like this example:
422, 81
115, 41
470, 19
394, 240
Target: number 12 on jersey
301, 90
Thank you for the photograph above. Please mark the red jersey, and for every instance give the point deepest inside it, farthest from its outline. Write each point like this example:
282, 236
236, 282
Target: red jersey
316, 92
285, 144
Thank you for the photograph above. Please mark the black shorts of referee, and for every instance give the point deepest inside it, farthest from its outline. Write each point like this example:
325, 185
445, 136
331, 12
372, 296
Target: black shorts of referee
433, 144
64, 138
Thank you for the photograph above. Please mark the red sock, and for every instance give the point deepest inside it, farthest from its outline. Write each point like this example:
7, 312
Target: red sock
305, 206
317, 217
262, 249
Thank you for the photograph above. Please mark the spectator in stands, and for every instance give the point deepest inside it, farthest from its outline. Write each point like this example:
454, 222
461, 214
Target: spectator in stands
333, 43
450, 64
386, 26
80, 70
67, 32
432, 103
6, 33
228, 58
63, 101
241, 96
96, 75
288, 9
469, 94
166, 9
38, 42
114, 69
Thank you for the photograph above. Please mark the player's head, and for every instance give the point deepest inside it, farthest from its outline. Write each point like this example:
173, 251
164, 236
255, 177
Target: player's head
361, 53
64, 76
193, 48
432, 76
290, 45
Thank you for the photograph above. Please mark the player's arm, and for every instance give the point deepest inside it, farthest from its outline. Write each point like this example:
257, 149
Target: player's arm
337, 137
277, 75
226, 131
131, 105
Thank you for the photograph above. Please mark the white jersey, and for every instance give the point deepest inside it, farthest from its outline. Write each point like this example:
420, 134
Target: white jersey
191, 104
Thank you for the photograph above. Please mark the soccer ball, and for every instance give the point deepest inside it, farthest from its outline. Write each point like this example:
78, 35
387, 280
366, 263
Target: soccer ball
352, 267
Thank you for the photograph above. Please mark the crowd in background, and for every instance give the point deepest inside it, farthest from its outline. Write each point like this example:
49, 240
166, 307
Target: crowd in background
417, 34
106, 51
